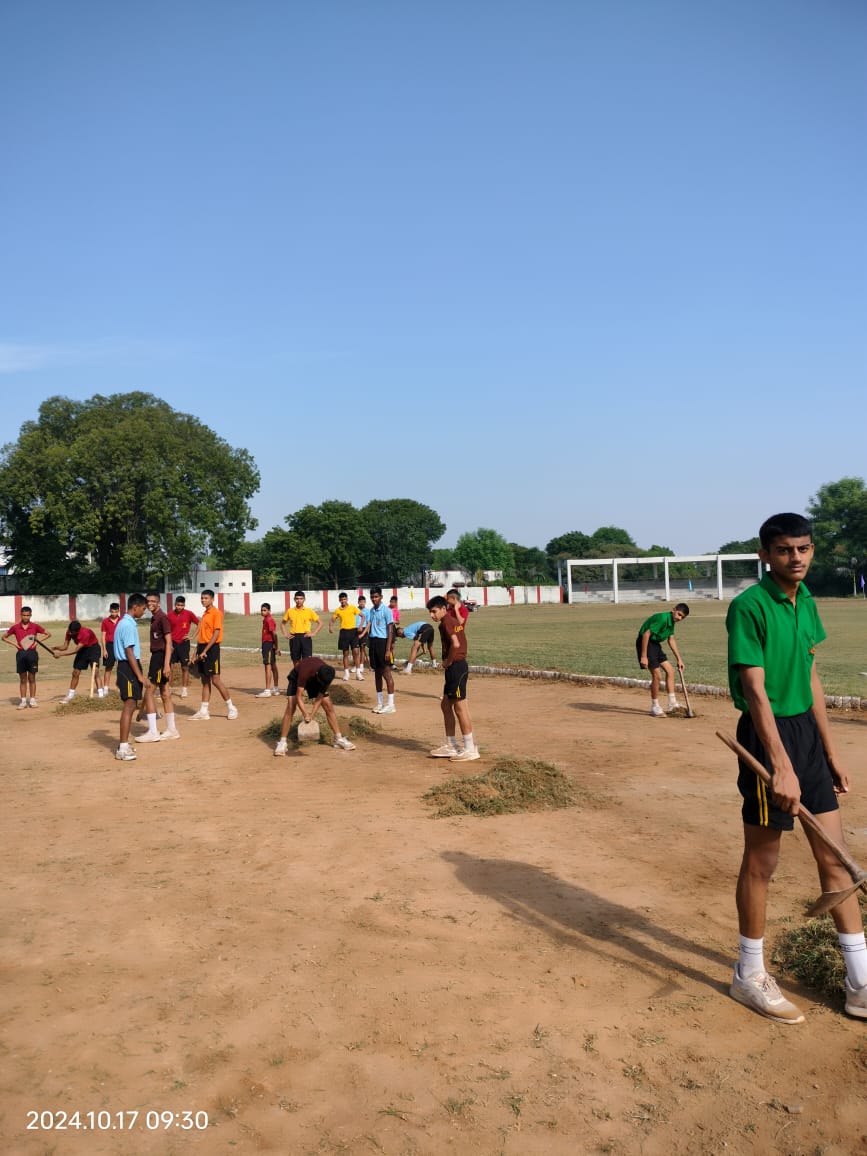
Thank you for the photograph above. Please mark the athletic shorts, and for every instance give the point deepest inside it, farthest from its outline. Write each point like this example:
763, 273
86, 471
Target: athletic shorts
128, 685
209, 664
378, 652
347, 640
455, 685
181, 652
269, 653
109, 659
800, 737
155, 669
27, 661
87, 656
300, 646
656, 656
425, 636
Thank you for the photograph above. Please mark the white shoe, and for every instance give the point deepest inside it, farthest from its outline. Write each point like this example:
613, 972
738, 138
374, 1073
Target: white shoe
856, 1000
359, 677
174, 734
275, 693
33, 702
232, 712
263, 694
148, 737
126, 756
466, 756
657, 711
201, 715
446, 751
184, 692
674, 705
387, 709
23, 704
346, 676
760, 992
407, 670
280, 749
69, 696
343, 744
434, 665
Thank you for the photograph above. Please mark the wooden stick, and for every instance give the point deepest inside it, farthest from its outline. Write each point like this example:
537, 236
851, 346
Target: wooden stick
689, 711
92, 677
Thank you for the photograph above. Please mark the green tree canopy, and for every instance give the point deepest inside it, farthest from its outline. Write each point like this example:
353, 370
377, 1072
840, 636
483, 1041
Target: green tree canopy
401, 533
484, 549
531, 565
612, 542
113, 492
571, 545
839, 514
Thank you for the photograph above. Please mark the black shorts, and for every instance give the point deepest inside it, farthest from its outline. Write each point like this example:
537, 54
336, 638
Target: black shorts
455, 685
87, 656
347, 640
269, 653
425, 636
803, 744
378, 652
300, 646
313, 688
128, 685
181, 652
209, 664
656, 656
156, 673
109, 659
27, 661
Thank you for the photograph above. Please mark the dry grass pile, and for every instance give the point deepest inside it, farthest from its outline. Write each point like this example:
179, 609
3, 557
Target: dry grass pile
510, 786
83, 704
354, 725
345, 694
680, 712
812, 955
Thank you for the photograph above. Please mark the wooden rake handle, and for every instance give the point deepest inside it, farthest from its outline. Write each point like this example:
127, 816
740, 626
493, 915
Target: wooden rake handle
806, 817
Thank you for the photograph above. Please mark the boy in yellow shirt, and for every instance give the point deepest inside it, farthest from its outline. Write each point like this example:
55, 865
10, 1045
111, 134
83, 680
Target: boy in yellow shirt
347, 639
300, 619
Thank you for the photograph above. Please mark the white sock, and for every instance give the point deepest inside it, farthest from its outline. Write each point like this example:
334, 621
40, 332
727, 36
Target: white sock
469, 742
379, 698
361, 669
391, 700
751, 959
408, 667
24, 701
70, 693
229, 703
654, 702
152, 724
672, 700
170, 721
452, 742
854, 951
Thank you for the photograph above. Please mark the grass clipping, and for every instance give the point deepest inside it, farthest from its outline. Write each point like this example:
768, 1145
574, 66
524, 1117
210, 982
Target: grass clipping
510, 786
812, 955
82, 704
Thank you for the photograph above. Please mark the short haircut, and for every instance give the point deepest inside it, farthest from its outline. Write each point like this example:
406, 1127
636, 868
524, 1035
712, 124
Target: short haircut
342, 594
437, 603
74, 626
114, 606
320, 681
26, 609
136, 600
361, 598
785, 526
683, 608
180, 598
153, 594
265, 606
299, 594
375, 590
456, 593
210, 593
393, 598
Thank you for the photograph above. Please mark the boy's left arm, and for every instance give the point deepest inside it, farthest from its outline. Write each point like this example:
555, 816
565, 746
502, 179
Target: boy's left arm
820, 714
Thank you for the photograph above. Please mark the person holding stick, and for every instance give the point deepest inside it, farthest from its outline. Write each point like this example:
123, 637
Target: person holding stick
773, 631
85, 654
106, 632
26, 635
648, 645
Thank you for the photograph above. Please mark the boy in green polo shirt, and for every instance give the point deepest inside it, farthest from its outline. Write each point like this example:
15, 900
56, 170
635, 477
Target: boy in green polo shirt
773, 630
648, 646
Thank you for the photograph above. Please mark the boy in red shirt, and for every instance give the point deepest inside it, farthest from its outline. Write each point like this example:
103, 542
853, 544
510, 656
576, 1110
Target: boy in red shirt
454, 701
24, 636
270, 652
85, 653
181, 620
106, 630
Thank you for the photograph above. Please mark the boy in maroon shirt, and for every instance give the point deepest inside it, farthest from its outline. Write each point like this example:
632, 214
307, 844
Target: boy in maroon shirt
453, 703
181, 620
85, 653
270, 653
106, 630
24, 636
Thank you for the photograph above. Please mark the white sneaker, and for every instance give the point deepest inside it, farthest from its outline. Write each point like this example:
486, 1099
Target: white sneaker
466, 756
275, 693
148, 737
343, 744
125, 756
388, 709
232, 712
446, 751
33, 702
184, 692
359, 676
856, 1000
674, 705
173, 734
657, 711
280, 749
23, 704
407, 670
434, 665
346, 676
69, 696
263, 694
760, 992
201, 715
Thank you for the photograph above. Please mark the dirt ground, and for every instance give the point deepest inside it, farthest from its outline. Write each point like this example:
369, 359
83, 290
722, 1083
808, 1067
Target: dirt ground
297, 948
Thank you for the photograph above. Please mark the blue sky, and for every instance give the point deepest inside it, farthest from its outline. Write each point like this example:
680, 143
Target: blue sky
543, 265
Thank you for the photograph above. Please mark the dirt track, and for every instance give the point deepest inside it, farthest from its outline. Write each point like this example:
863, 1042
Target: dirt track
297, 948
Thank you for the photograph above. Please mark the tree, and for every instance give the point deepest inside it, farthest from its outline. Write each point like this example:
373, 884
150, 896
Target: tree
747, 546
402, 533
839, 514
571, 545
326, 544
484, 549
531, 565
114, 492
612, 542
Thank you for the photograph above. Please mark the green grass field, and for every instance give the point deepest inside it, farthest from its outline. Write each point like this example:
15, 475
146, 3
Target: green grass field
579, 639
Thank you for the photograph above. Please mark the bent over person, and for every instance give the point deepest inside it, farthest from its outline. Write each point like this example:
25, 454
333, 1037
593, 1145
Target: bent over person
648, 645
773, 631
85, 653
314, 676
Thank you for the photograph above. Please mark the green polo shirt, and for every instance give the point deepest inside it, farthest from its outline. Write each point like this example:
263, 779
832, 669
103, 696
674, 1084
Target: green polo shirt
765, 629
661, 626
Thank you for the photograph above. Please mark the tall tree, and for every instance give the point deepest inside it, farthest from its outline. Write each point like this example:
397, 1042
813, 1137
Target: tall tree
571, 545
839, 514
531, 565
116, 491
484, 549
402, 533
